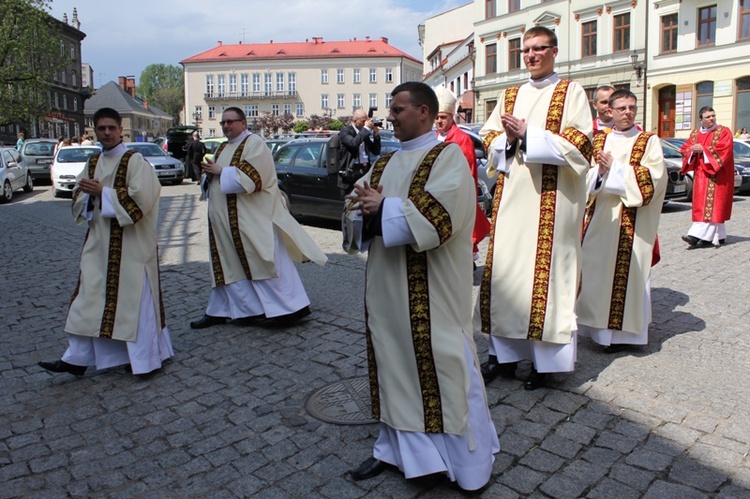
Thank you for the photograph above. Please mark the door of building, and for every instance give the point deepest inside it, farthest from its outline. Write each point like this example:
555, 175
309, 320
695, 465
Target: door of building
666, 111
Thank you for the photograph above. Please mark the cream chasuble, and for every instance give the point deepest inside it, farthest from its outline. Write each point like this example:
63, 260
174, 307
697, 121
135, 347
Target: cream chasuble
418, 296
117, 251
241, 225
530, 279
619, 232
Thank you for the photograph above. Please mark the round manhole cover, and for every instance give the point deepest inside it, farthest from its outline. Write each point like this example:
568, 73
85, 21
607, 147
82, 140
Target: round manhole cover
346, 402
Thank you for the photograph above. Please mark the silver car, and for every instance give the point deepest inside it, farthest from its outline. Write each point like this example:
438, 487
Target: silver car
167, 167
13, 175
37, 155
68, 166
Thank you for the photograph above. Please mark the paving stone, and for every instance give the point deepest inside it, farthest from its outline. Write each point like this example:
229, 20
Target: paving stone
576, 432
563, 486
620, 443
608, 489
665, 490
648, 460
688, 472
516, 444
561, 446
522, 479
540, 460
602, 456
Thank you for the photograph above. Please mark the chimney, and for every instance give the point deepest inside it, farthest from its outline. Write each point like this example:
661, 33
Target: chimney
219, 42
121, 81
367, 38
384, 40
317, 39
131, 86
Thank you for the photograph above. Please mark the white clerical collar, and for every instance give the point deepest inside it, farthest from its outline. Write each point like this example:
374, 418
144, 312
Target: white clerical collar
118, 150
605, 124
548, 80
706, 130
631, 132
421, 142
239, 137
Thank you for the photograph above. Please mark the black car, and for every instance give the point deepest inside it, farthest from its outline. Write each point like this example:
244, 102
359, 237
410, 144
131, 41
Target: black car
678, 183
177, 138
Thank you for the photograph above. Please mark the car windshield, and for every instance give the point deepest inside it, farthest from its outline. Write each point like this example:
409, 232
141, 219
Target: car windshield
39, 149
741, 149
670, 151
212, 146
147, 149
75, 154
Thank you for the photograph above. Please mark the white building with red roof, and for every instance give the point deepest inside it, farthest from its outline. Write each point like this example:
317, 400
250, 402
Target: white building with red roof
301, 78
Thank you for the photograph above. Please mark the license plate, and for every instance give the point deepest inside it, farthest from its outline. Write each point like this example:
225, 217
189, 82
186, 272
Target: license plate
43, 161
679, 188
165, 174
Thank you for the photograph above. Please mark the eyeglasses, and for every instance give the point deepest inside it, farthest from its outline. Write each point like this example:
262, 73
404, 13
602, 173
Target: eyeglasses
227, 122
536, 50
395, 111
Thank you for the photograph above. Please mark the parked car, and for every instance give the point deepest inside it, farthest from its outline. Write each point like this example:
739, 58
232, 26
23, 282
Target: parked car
212, 145
678, 183
13, 174
307, 186
275, 144
37, 155
176, 139
67, 167
167, 167
741, 149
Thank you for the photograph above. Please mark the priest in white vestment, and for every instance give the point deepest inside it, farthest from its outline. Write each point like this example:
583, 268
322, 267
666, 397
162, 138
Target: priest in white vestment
116, 316
413, 212
626, 188
253, 239
539, 144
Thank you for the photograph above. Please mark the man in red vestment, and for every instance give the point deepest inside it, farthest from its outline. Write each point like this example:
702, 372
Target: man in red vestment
448, 131
709, 154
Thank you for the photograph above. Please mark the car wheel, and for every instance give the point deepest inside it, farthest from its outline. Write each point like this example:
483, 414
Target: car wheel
29, 184
178, 181
7, 192
688, 188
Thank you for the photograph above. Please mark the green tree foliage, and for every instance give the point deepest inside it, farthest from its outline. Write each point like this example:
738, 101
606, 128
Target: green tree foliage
29, 57
336, 125
163, 86
301, 126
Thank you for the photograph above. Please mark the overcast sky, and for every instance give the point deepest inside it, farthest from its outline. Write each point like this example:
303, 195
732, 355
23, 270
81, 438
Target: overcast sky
122, 38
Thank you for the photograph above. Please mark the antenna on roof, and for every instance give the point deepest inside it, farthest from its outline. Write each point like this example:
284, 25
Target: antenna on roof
243, 35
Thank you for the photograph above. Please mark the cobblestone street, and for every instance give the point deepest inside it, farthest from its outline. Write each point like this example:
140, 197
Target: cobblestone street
225, 417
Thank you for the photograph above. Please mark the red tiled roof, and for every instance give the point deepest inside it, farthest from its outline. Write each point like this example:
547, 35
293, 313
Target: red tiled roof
314, 49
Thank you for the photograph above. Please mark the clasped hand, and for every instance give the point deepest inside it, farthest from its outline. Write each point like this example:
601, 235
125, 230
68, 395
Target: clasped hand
366, 199
605, 160
211, 168
90, 186
514, 127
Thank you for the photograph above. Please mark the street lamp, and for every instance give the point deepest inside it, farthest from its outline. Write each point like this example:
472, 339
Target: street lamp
638, 67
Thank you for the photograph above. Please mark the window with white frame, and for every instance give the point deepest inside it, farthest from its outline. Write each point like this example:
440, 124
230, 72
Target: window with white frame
274, 109
75, 103
357, 102
253, 112
211, 112
339, 76
287, 109
323, 76
340, 101
388, 100
373, 100
268, 83
292, 80
389, 75
280, 82
246, 109
212, 132
324, 101
373, 75
256, 82
244, 84
221, 84
209, 85
356, 76
300, 109
73, 78
232, 83
198, 112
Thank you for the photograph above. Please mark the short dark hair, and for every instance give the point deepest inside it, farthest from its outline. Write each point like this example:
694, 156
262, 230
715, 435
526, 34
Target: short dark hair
541, 31
420, 94
621, 94
237, 110
107, 112
600, 88
703, 110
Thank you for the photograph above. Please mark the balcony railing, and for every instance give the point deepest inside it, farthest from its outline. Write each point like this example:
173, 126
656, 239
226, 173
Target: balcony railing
216, 96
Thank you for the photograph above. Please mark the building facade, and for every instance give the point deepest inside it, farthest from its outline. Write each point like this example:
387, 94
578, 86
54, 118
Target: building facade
675, 55
66, 94
447, 42
140, 120
314, 77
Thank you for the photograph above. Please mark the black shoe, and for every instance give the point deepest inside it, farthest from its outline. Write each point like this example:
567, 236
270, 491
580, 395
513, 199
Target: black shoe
207, 321
368, 469
492, 369
691, 240
705, 244
536, 380
613, 348
722, 242
250, 320
60, 366
288, 319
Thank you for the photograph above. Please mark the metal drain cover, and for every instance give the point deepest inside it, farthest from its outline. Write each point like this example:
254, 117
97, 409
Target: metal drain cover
345, 402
